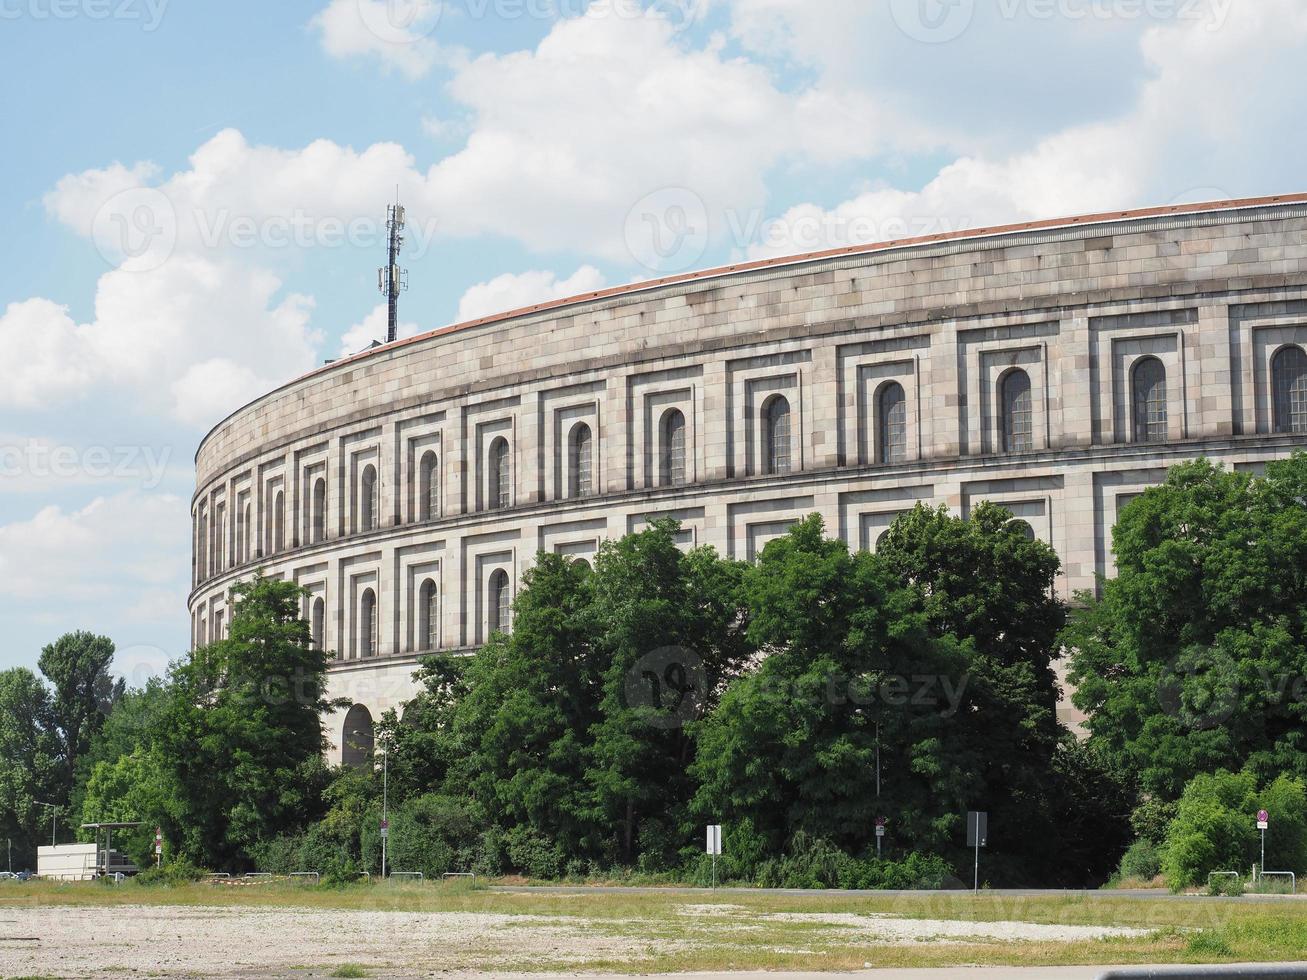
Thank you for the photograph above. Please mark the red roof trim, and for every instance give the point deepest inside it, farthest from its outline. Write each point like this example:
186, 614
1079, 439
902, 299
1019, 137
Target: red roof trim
637, 287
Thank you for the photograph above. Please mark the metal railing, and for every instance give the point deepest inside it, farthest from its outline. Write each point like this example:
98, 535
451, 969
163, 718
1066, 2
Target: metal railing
307, 874
1293, 878
417, 875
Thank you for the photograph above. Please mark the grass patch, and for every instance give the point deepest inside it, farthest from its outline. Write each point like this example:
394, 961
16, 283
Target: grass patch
350, 970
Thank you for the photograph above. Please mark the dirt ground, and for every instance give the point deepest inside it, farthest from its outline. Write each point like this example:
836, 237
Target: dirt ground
189, 941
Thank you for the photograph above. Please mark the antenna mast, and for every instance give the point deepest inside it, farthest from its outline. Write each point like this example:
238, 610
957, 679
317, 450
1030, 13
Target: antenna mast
392, 280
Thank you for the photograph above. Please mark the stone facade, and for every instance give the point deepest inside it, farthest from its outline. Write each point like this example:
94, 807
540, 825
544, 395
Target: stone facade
1058, 369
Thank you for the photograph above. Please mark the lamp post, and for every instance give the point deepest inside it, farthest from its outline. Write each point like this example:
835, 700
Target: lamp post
385, 801
54, 813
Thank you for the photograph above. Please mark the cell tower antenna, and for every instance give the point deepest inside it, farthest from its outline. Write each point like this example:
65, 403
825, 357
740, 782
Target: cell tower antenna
392, 280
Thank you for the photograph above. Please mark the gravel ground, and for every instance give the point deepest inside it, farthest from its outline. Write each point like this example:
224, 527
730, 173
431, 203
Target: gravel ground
159, 941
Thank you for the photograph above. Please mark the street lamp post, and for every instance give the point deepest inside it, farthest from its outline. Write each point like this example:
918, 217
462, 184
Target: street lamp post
54, 813
385, 800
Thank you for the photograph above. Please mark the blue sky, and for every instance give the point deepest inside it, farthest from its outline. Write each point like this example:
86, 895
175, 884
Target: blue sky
193, 193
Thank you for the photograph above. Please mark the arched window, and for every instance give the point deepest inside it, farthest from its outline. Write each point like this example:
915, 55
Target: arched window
428, 616
319, 509
881, 538
671, 472
891, 424
279, 522
500, 601
318, 622
1289, 380
356, 737
1018, 424
1024, 529
367, 634
580, 462
428, 488
776, 435
1148, 400
500, 490
369, 499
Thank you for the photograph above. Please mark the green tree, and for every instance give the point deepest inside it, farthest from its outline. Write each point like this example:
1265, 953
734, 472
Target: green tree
1195, 655
77, 666
29, 761
980, 579
133, 788
530, 698
671, 632
793, 746
242, 739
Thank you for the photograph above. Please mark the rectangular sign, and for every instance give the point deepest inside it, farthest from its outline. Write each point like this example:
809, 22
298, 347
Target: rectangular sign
880, 831
714, 838
977, 828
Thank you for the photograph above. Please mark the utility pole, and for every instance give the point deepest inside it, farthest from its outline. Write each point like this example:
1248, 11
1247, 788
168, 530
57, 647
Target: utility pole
392, 280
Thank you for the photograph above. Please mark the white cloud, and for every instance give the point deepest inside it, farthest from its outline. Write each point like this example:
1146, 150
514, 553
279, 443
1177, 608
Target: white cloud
1190, 134
58, 559
567, 138
514, 291
395, 32
373, 327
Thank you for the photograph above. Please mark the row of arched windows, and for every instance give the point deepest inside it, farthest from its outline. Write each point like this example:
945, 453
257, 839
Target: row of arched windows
1148, 423
498, 615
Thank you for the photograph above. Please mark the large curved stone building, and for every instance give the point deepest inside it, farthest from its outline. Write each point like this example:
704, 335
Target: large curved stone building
1058, 368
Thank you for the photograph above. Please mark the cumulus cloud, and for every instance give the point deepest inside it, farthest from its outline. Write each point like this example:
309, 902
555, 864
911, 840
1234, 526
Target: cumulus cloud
396, 33
1190, 135
373, 327
512, 291
59, 552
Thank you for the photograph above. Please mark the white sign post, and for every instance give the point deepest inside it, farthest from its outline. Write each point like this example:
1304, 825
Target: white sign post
714, 847
977, 834
880, 834
1263, 821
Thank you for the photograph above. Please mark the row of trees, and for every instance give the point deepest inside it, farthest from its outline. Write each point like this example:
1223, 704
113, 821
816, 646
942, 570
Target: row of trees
794, 700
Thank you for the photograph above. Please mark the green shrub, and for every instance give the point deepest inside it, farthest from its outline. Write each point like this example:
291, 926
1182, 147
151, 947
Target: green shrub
1229, 885
178, 871
1212, 829
1150, 819
1141, 861
531, 854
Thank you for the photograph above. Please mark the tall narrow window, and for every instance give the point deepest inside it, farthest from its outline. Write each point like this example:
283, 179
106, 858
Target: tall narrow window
220, 537
202, 547
500, 602
1018, 424
428, 616
891, 424
368, 624
428, 488
1289, 379
279, 522
318, 622
671, 471
1148, 400
319, 509
369, 502
500, 492
201, 639
776, 435
247, 526
580, 462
